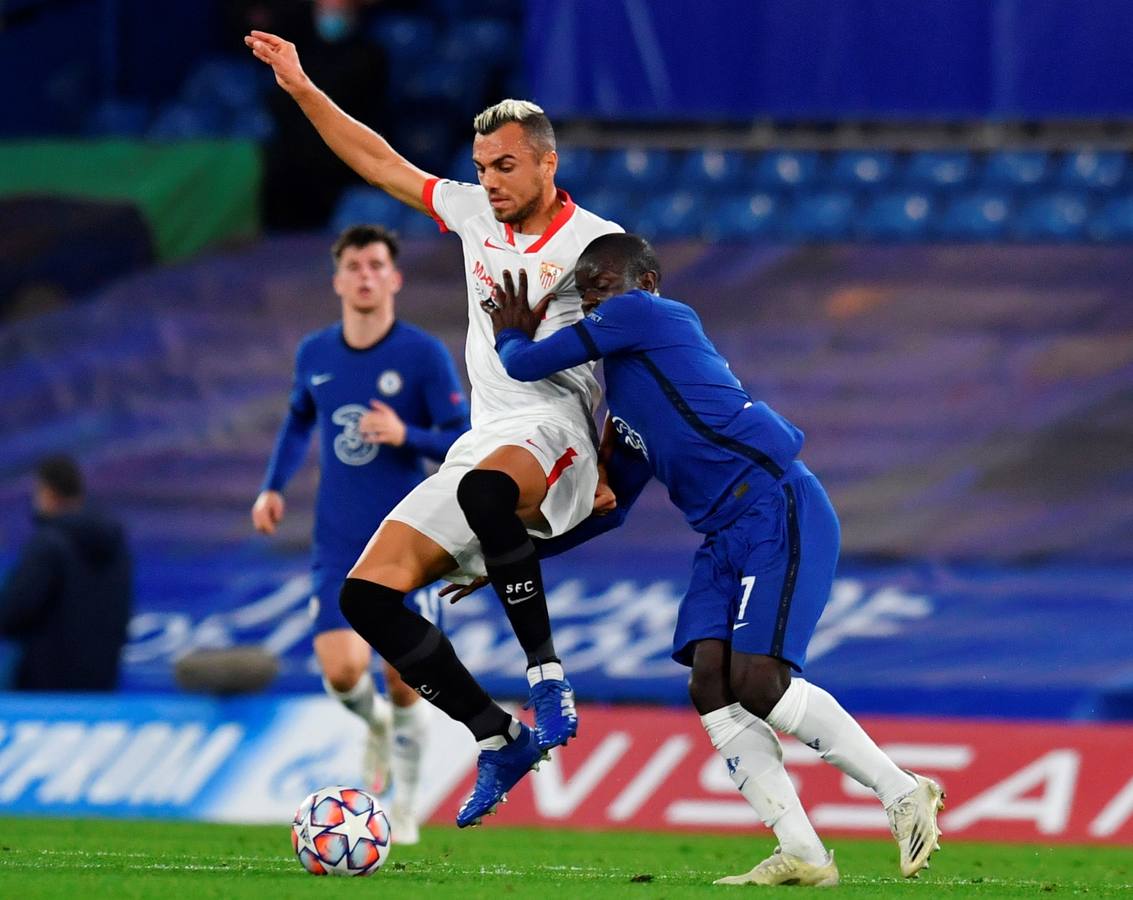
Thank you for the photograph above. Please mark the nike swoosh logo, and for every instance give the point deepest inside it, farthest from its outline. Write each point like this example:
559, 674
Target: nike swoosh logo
739, 625
316, 380
488, 243
519, 599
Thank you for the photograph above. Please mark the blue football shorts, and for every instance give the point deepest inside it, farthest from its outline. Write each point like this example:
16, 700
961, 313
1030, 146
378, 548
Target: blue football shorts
326, 582
762, 582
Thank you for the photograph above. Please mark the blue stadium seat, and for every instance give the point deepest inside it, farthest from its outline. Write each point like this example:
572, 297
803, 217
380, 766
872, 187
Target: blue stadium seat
487, 42
634, 169
784, 169
232, 84
1113, 221
122, 118
575, 165
179, 121
367, 205
945, 169
822, 216
254, 123
677, 215
617, 206
751, 216
711, 170
1060, 216
976, 216
418, 226
461, 167
426, 142
1092, 170
406, 39
448, 89
904, 215
1017, 168
862, 168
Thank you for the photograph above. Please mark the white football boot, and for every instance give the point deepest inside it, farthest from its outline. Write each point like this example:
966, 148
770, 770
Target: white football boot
912, 819
783, 868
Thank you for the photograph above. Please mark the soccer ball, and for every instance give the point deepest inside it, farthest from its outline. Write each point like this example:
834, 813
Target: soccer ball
341, 831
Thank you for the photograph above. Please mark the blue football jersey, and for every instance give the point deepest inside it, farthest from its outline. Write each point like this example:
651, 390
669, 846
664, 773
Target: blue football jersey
410, 371
673, 398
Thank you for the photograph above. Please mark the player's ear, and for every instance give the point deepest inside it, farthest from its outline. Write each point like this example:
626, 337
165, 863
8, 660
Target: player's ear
649, 281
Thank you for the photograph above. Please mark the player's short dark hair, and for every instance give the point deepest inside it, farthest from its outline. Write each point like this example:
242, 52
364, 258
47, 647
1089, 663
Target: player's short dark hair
62, 475
630, 253
362, 236
526, 114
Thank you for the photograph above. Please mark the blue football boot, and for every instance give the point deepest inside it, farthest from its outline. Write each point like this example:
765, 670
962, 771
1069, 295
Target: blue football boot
498, 771
556, 720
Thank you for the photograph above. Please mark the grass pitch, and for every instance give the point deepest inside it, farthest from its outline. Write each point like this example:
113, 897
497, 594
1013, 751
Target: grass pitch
60, 858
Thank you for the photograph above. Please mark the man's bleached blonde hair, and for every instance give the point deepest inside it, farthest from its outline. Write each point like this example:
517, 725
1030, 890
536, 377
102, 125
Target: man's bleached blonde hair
526, 114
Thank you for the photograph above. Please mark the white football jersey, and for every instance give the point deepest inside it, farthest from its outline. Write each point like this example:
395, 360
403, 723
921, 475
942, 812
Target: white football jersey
490, 247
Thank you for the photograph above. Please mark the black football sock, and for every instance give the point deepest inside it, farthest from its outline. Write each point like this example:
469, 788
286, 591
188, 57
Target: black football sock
488, 499
422, 656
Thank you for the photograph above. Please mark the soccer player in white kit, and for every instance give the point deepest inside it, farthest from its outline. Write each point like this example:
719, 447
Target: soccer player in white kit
527, 467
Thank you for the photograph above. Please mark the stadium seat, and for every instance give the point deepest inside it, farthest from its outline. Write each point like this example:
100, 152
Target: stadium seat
711, 170
976, 216
634, 168
617, 206
1016, 169
1113, 221
861, 168
742, 217
232, 84
427, 142
575, 164
254, 123
486, 42
1060, 216
944, 169
454, 90
407, 39
676, 215
905, 215
785, 169
122, 118
821, 216
367, 205
461, 167
179, 121
1092, 170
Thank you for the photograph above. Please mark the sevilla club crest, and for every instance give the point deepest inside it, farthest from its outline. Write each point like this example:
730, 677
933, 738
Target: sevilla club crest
549, 273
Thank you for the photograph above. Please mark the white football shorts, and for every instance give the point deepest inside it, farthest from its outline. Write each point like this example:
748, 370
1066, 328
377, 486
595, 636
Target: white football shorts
568, 459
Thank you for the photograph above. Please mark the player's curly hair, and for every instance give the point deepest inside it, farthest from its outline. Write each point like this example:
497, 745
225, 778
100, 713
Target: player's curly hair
528, 115
360, 236
631, 253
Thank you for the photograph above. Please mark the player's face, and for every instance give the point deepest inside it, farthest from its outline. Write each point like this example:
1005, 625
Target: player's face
366, 278
513, 172
597, 283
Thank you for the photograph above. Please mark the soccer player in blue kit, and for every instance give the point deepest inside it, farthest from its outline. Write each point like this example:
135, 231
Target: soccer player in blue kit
763, 574
385, 396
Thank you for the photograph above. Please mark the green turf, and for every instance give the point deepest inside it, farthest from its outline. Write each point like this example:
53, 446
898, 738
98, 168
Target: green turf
78, 859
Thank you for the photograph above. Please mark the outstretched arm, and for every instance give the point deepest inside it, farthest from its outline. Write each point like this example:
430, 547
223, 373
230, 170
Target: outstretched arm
360, 147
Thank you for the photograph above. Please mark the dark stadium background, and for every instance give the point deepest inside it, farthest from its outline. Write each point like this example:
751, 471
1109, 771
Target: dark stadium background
906, 224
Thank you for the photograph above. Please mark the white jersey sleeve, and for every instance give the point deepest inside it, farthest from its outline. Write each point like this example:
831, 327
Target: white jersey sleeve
452, 203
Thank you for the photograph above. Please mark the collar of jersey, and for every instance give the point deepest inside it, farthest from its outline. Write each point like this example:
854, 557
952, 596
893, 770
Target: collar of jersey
560, 219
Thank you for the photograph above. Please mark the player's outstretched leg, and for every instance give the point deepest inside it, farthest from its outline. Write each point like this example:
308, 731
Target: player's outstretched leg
912, 802
489, 499
427, 662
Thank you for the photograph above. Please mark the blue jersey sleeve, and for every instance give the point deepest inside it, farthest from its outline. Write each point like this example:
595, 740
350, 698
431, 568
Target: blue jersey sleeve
615, 326
294, 435
448, 409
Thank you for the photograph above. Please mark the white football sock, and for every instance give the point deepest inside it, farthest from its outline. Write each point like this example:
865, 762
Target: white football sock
363, 700
410, 727
553, 671
813, 716
498, 741
754, 758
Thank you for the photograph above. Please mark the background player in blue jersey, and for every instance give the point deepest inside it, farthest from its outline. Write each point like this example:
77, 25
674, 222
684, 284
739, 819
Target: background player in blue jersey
763, 574
385, 397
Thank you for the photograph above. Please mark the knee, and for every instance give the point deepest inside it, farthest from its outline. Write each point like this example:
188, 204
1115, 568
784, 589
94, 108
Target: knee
485, 494
759, 684
399, 692
342, 673
708, 690
361, 600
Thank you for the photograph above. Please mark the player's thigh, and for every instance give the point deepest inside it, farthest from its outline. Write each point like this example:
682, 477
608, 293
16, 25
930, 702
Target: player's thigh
401, 557
344, 656
784, 554
709, 683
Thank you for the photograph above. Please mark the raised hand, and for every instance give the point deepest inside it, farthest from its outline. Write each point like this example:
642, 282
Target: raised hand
283, 58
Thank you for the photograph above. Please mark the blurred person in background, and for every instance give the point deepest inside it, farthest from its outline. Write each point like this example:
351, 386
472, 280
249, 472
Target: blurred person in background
385, 397
66, 602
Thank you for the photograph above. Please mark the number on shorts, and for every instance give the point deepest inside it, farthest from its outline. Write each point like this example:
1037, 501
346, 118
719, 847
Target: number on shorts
748, 582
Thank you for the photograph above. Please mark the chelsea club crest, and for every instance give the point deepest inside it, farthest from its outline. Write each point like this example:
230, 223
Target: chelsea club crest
389, 382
